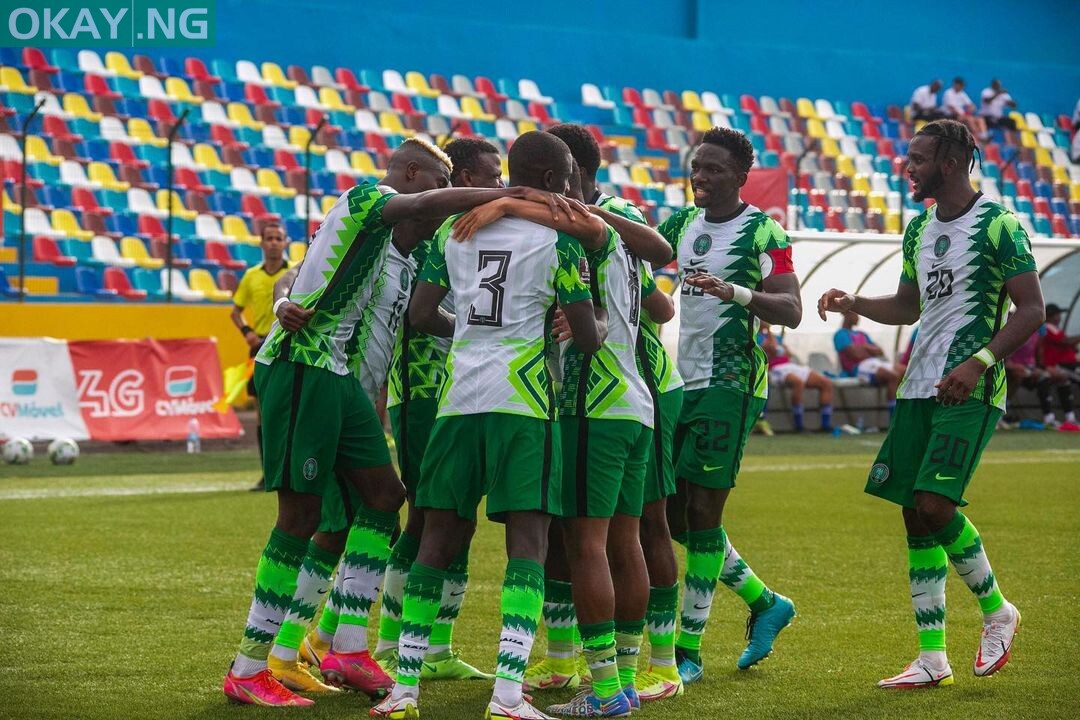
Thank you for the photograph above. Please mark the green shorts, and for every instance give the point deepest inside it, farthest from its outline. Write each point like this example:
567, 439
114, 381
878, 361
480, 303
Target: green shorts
411, 423
933, 448
313, 422
660, 471
709, 440
604, 465
516, 461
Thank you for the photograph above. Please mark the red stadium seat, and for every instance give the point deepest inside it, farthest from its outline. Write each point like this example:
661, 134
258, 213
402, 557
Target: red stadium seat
672, 98
218, 253
123, 154
862, 112
439, 82
347, 77
223, 136
151, 227
1023, 189
749, 103
195, 69
118, 281
632, 97
403, 104
484, 86
1042, 206
758, 124
161, 111
539, 111
254, 206
256, 95
97, 85
643, 117
189, 180
787, 106
834, 220
886, 147
47, 251
159, 249
57, 128
285, 160
375, 143
298, 74
655, 140
34, 59
1060, 226
226, 280
145, 65
84, 200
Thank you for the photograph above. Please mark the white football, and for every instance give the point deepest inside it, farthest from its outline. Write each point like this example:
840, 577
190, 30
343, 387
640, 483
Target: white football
63, 451
18, 451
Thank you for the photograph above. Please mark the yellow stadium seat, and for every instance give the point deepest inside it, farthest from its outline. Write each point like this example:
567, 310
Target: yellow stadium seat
877, 201
362, 163
140, 129
133, 249
1074, 191
297, 251
8, 204
38, 151
418, 83
701, 121
76, 104
240, 114
11, 80
272, 73
234, 226
525, 126
1042, 157
805, 108
892, 222
1028, 139
1018, 118
207, 156
178, 208
64, 221
845, 165
639, 174
201, 280
327, 203
331, 98
692, 101
1061, 175
829, 147
472, 107
118, 63
178, 89
102, 174
816, 129
299, 136
919, 125
665, 284
391, 123
860, 183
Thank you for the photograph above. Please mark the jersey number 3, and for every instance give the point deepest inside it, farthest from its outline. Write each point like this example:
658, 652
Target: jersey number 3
494, 284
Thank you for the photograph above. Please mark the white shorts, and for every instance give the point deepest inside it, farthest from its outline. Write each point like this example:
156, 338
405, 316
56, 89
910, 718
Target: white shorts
867, 369
779, 373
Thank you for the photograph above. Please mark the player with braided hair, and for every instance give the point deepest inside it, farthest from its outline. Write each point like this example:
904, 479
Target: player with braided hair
963, 258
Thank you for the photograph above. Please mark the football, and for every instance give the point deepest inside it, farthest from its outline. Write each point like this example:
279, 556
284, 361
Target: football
18, 451
63, 451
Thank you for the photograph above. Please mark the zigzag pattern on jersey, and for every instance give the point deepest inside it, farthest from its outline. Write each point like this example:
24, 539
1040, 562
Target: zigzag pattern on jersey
910, 246
604, 386
675, 226
357, 346
656, 356
529, 377
621, 207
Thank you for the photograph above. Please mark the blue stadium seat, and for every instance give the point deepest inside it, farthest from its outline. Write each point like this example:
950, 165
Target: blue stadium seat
88, 282
6, 288
148, 280
171, 66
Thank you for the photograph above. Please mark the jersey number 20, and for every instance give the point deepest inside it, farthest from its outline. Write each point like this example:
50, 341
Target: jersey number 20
492, 283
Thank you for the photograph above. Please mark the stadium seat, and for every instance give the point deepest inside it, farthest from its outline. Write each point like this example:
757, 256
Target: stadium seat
104, 251
202, 282
133, 249
45, 250
180, 287
219, 253
11, 80
34, 59
88, 282
118, 282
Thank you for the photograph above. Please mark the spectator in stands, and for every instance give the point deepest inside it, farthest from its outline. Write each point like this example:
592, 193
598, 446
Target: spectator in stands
995, 99
1022, 370
957, 105
924, 102
784, 371
1057, 349
862, 358
254, 297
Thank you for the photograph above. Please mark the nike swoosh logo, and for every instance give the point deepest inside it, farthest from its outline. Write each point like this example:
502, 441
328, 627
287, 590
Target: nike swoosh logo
457, 594
917, 595
943, 478
711, 468
322, 592
701, 607
936, 265
965, 574
279, 624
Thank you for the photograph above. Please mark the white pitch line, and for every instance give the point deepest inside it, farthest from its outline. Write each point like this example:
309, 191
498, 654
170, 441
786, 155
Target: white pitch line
1048, 457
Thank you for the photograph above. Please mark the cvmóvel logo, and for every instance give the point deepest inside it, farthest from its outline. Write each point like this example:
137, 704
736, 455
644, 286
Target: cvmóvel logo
24, 381
107, 23
180, 380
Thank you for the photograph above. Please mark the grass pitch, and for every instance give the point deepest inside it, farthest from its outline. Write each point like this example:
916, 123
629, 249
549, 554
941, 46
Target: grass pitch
126, 579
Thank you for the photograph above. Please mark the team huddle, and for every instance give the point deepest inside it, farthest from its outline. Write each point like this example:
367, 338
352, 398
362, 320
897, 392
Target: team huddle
515, 330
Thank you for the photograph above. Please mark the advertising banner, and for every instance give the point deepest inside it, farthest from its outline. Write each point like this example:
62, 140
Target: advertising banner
38, 400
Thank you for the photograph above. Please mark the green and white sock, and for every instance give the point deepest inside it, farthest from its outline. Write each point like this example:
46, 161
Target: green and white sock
453, 595
419, 607
560, 618
965, 549
928, 568
522, 602
312, 584
275, 584
660, 622
627, 649
740, 579
402, 557
704, 559
366, 551
599, 642
328, 621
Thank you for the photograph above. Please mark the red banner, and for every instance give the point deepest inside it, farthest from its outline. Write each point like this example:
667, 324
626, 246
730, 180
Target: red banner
768, 190
150, 389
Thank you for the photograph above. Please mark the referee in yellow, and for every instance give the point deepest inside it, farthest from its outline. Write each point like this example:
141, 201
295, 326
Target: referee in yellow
254, 298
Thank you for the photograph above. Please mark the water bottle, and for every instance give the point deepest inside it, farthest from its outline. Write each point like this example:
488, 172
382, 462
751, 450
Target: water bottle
194, 443
860, 423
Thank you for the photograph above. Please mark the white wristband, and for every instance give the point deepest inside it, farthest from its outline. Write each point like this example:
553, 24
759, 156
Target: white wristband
743, 296
280, 301
986, 357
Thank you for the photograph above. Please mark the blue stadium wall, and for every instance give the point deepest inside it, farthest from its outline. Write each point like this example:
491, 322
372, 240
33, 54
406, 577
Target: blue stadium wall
876, 52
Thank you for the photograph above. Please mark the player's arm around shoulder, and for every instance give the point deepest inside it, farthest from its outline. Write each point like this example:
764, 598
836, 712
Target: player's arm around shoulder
432, 285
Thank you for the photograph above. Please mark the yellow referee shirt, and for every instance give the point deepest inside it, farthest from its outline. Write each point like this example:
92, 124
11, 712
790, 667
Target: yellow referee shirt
255, 294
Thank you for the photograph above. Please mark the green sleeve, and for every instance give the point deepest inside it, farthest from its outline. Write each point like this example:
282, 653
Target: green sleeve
434, 269
623, 208
1012, 247
572, 272
909, 249
366, 203
673, 228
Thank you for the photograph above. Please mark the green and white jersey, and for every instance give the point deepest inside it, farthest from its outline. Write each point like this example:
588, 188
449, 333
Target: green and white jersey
606, 384
419, 362
337, 279
386, 307
653, 361
718, 340
505, 281
960, 268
